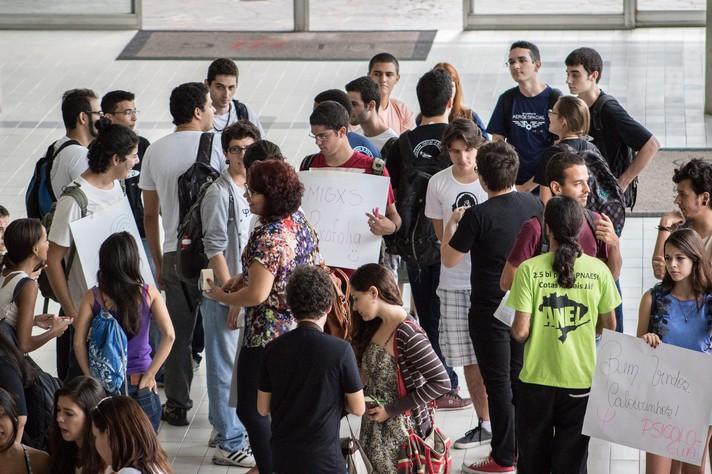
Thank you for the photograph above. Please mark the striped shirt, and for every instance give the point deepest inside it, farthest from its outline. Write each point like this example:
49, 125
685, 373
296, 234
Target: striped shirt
423, 373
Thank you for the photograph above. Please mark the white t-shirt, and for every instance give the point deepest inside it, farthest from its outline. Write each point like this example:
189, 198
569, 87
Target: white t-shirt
68, 165
69, 211
165, 160
444, 195
381, 139
220, 122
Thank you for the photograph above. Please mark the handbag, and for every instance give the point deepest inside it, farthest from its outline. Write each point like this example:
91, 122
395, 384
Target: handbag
356, 460
417, 455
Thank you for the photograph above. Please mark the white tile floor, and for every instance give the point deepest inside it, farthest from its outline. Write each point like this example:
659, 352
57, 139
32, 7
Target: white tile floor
656, 73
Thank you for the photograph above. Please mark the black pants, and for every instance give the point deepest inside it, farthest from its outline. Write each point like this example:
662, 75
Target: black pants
549, 423
424, 281
258, 426
500, 360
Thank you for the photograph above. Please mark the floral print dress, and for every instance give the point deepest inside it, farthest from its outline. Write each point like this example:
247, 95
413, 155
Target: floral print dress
280, 246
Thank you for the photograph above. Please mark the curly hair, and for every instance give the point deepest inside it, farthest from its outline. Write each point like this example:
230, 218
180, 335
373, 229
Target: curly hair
310, 292
699, 172
113, 139
278, 182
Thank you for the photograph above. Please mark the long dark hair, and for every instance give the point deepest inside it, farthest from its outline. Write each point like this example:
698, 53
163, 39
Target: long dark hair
564, 217
119, 276
86, 392
8, 408
20, 238
132, 441
690, 244
378, 276
10, 354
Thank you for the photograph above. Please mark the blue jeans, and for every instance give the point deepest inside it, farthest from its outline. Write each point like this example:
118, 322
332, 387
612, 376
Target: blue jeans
220, 349
150, 403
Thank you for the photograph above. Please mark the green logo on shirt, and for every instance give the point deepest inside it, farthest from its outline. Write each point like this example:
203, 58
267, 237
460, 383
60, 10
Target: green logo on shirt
563, 314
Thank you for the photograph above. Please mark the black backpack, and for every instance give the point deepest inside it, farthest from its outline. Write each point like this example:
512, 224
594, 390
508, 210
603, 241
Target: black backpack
622, 159
240, 110
40, 196
39, 398
192, 186
508, 103
415, 241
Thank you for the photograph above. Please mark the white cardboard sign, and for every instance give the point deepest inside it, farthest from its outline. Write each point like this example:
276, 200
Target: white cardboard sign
657, 400
90, 232
336, 203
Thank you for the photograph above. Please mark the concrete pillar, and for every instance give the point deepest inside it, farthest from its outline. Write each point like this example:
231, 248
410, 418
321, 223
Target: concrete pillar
301, 15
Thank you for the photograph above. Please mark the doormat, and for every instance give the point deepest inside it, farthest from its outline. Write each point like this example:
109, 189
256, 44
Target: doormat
291, 46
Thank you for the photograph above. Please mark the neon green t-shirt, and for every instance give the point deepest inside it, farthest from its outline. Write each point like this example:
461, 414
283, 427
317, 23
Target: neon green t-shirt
561, 348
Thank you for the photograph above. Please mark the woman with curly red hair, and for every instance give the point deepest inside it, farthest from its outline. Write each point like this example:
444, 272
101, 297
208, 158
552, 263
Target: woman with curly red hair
282, 240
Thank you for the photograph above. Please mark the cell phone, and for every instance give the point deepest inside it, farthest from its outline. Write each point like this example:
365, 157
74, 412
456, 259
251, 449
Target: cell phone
205, 275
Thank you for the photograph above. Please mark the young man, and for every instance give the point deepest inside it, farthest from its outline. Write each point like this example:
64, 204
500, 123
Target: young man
308, 380
456, 187
520, 115
357, 141
222, 82
165, 160
329, 124
488, 231
417, 154
567, 176
384, 69
80, 111
365, 102
693, 182
226, 217
616, 134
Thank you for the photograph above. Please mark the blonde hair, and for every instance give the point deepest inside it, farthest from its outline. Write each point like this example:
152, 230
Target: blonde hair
575, 112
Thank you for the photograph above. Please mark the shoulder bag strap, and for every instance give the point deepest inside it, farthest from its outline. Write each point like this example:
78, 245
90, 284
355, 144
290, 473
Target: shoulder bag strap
205, 148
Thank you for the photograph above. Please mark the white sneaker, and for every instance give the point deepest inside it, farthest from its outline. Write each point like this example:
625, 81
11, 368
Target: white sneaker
241, 458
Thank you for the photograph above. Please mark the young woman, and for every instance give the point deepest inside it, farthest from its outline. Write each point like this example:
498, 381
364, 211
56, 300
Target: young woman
382, 327
71, 446
678, 311
14, 457
459, 110
562, 298
133, 303
124, 439
26, 243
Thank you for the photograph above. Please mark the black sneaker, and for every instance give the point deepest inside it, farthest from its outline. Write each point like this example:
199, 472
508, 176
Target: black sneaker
475, 437
175, 416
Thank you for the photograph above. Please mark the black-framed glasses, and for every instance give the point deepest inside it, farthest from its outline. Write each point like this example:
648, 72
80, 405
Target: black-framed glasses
320, 137
125, 113
96, 112
237, 150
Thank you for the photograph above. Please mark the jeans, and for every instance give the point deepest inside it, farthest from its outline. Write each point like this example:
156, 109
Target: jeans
619, 310
220, 350
500, 360
182, 301
258, 427
150, 403
424, 281
549, 424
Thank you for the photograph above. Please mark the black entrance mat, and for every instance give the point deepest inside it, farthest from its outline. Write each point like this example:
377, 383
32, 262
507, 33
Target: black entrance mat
308, 46
656, 189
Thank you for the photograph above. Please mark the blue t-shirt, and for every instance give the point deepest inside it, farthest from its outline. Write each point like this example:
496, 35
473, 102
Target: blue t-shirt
363, 145
528, 131
685, 324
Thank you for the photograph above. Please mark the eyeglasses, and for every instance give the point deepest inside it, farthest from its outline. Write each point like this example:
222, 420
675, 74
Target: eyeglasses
320, 137
553, 113
96, 112
250, 192
237, 150
125, 113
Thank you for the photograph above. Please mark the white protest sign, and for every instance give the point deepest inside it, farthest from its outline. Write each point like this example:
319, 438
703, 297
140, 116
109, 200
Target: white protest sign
657, 400
336, 203
90, 232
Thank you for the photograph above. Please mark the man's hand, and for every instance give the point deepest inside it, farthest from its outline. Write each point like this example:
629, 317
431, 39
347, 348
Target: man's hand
379, 224
378, 414
605, 232
672, 220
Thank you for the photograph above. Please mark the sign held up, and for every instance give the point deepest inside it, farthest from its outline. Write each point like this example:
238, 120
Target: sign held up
658, 400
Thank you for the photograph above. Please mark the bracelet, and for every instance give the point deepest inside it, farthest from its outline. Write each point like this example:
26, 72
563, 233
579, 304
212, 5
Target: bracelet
663, 228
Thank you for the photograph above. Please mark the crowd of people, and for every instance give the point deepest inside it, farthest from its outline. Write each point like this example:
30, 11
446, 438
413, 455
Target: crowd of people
525, 212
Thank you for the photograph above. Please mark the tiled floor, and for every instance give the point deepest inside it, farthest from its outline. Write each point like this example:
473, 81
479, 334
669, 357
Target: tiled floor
657, 74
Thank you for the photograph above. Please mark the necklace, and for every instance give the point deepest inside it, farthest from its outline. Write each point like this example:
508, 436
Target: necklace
686, 314
229, 109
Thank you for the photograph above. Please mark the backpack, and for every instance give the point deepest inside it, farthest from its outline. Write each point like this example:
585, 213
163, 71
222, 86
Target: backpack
508, 103
617, 163
377, 166
240, 110
544, 242
39, 399
39, 196
191, 256
386, 149
107, 347
191, 182
415, 240
338, 320
74, 191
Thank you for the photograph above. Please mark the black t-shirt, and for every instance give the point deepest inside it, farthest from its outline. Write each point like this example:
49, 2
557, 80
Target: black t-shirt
308, 373
133, 193
488, 232
427, 144
578, 145
617, 131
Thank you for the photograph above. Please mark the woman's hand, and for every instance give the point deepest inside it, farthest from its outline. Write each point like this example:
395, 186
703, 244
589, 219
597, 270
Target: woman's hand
59, 324
234, 284
233, 316
44, 321
652, 339
378, 414
148, 381
215, 292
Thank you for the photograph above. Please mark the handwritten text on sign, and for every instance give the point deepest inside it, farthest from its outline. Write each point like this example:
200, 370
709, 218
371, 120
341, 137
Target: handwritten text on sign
336, 203
657, 400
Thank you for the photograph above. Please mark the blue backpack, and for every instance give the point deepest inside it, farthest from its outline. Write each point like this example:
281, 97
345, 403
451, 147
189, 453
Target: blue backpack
107, 346
40, 196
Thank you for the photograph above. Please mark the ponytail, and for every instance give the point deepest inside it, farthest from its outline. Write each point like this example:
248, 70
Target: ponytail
564, 260
564, 217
